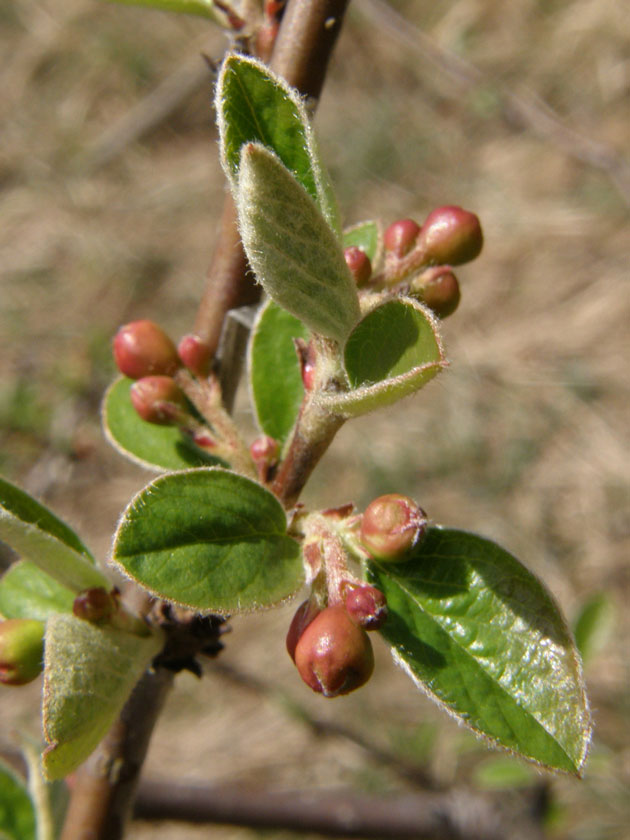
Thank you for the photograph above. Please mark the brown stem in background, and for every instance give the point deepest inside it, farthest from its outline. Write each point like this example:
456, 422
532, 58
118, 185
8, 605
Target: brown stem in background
105, 785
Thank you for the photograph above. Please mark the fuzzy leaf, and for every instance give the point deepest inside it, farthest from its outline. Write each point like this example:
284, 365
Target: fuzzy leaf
201, 8
89, 672
391, 353
293, 251
255, 105
39, 536
155, 447
209, 539
274, 370
28, 592
17, 815
481, 635
366, 236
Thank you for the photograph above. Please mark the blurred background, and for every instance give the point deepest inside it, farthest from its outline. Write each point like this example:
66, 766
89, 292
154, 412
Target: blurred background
110, 193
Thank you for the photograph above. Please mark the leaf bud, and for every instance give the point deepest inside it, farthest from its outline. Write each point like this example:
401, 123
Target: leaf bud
391, 526
158, 399
264, 451
21, 650
359, 264
451, 235
94, 604
333, 655
400, 236
306, 612
142, 348
367, 606
438, 289
195, 354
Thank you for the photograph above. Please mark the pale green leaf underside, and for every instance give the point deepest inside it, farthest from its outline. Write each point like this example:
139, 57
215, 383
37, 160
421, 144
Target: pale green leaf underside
367, 237
391, 353
209, 539
89, 672
152, 446
201, 8
28, 592
294, 253
38, 535
480, 634
17, 815
274, 370
255, 105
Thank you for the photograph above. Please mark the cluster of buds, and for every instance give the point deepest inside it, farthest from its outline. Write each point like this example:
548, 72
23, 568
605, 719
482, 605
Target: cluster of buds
21, 650
449, 236
144, 352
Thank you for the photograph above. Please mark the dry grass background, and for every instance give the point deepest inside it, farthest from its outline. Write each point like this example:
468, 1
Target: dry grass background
524, 439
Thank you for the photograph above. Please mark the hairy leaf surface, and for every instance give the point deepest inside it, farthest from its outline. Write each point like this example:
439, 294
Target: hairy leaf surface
209, 539
28, 592
89, 672
41, 537
294, 253
274, 370
481, 635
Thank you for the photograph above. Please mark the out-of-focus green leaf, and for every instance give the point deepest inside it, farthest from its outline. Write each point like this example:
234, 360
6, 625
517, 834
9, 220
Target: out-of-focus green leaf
593, 625
17, 815
366, 236
28, 592
201, 8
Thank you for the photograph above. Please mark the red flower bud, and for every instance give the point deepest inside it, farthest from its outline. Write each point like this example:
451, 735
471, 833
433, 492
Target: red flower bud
141, 348
367, 606
158, 399
306, 612
451, 236
21, 650
391, 526
439, 290
400, 236
195, 354
94, 604
359, 264
334, 656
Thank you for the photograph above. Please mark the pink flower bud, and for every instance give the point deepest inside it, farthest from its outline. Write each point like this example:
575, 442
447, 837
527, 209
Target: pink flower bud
400, 236
359, 264
306, 612
195, 354
451, 236
21, 650
94, 604
439, 290
367, 606
333, 655
158, 399
391, 526
141, 348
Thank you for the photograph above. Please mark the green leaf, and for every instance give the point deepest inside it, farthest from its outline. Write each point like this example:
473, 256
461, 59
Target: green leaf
50, 799
293, 251
39, 536
255, 105
152, 446
202, 8
89, 672
28, 592
366, 236
482, 636
593, 625
391, 353
274, 370
17, 815
209, 539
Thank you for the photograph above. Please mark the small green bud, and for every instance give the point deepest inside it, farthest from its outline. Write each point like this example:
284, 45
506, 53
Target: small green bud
21, 650
158, 399
400, 236
367, 606
333, 655
359, 264
450, 236
142, 348
391, 526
